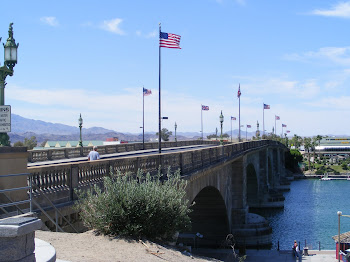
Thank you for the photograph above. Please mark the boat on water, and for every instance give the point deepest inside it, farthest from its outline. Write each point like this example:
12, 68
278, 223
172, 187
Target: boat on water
325, 177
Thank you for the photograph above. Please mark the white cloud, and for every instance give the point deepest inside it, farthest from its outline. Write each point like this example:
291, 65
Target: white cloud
339, 10
337, 55
113, 26
152, 34
50, 20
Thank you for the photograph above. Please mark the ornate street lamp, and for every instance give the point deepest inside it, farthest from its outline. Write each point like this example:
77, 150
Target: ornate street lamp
80, 126
221, 122
175, 134
10, 60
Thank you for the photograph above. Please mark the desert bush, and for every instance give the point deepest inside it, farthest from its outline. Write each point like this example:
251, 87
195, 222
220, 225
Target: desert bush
138, 206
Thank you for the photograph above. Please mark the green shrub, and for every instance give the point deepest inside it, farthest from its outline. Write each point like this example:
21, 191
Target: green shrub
137, 206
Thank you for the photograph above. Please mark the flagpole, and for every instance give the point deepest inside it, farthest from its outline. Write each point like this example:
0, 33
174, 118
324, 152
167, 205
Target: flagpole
275, 125
160, 116
143, 118
202, 122
246, 132
282, 131
263, 120
239, 116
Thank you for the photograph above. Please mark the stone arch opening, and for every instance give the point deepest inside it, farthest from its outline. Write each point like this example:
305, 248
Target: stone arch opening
252, 186
209, 217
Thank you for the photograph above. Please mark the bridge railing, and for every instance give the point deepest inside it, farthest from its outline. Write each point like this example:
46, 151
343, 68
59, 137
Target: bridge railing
73, 152
60, 181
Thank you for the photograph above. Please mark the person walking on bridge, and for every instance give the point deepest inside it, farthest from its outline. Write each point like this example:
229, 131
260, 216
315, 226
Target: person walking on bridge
94, 155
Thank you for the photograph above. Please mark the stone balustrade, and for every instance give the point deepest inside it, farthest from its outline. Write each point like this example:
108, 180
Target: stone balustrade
59, 181
73, 152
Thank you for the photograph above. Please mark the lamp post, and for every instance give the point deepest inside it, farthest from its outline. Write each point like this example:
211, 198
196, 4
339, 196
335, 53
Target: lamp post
339, 213
221, 122
10, 60
80, 126
216, 134
175, 134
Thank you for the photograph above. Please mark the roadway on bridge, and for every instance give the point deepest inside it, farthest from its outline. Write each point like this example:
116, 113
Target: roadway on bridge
117, 155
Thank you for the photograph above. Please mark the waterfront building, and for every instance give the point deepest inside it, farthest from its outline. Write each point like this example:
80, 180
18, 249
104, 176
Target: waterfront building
334, 147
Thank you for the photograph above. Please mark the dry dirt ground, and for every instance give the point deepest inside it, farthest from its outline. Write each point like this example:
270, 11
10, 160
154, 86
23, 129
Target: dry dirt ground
89, 247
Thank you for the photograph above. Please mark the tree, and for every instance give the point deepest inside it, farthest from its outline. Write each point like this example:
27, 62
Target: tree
165, 133
307, 146
4, 139
18, 143
211, 136
30, 143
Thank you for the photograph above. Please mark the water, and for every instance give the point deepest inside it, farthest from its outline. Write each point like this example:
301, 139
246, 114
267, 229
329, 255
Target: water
310, 213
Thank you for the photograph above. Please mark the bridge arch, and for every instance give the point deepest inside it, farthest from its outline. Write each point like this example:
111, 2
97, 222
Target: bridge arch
209, 216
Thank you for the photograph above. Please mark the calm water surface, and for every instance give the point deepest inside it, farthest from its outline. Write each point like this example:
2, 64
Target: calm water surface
310, 213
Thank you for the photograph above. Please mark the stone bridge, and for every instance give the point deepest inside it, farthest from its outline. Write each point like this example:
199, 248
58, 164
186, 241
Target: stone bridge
224, 182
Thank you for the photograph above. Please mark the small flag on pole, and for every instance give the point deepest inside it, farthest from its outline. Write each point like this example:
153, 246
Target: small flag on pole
169, 40
283, 125
249, 126
233, 118
239, 91
266, 106
277, 118
147, 92
205, 108
288, 131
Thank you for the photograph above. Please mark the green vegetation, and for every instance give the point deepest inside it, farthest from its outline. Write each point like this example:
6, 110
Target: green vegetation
137, 206
4, 139
293, 158
164, 134
28, 142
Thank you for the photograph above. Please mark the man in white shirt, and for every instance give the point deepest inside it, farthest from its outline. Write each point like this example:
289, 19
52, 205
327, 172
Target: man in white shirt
94, 155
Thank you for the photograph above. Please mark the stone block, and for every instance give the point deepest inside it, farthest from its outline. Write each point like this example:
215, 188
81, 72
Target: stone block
17, 238
16, 248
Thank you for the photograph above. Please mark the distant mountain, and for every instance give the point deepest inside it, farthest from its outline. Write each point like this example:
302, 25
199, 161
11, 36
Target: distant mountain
25, 128
23, 125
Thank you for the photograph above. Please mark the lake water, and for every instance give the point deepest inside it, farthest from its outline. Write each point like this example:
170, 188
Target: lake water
310, 213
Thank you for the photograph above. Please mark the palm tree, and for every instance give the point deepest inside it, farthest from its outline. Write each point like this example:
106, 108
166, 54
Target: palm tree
307, 145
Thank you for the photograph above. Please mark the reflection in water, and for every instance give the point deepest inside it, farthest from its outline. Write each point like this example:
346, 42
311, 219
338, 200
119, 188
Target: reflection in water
310, 214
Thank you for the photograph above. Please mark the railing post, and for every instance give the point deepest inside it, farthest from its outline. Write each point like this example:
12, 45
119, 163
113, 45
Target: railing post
49, 154
73, 181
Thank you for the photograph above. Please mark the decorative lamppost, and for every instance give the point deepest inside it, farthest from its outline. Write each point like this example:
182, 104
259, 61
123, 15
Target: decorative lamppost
10, 60
221, 122
80, 126
175, 134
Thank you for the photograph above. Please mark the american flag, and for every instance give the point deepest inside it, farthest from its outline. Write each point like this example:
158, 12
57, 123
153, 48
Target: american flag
283, 125
249, 126
288, 131
169, 40
239, 91
205, 108
233, 118
147, 92
277, 118
266, 106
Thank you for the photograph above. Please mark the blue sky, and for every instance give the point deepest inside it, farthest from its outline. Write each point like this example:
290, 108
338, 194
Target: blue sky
93, 58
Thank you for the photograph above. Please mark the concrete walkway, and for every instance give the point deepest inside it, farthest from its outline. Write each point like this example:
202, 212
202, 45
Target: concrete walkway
270, 255
287, 256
